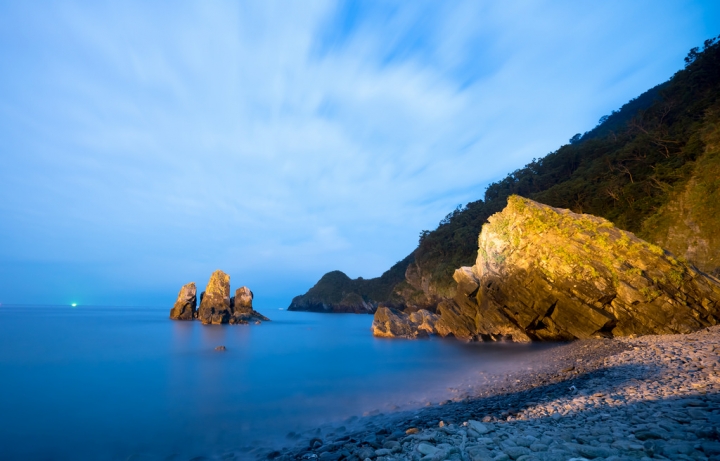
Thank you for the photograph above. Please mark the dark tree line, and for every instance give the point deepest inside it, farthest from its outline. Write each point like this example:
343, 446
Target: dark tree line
624, 169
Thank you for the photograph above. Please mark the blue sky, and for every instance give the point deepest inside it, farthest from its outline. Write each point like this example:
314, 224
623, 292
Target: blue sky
145, 144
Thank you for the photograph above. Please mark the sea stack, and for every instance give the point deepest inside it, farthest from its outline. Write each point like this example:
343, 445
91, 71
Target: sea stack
215, 304
243, 301
243, 312
184, 308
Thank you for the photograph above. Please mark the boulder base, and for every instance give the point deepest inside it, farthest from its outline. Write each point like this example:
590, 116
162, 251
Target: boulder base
391, 323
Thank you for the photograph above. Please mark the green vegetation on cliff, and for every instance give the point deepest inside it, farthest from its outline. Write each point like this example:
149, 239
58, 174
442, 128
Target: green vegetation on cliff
624, 170
336, 292
650, 168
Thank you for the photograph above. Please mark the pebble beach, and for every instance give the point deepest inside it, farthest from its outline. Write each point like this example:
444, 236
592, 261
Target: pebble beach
638, 398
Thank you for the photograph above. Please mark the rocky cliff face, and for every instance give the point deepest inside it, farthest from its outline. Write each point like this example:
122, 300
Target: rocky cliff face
335, 292
651, 168
184, 308
545, 273
215, 303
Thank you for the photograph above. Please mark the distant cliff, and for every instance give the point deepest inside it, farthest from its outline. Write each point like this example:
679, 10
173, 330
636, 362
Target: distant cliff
650, 168
337, 293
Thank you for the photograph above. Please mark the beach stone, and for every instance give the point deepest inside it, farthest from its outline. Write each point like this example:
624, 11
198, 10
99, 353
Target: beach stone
524, 441
393, 446
590, 451
648, 435
329, 456
315, 443
480, 454
186, 303
711, 448
478, 427
426, 449
365, 453
516, 452
426, 436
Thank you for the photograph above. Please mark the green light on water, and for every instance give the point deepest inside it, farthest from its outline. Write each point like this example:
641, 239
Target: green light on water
74, 304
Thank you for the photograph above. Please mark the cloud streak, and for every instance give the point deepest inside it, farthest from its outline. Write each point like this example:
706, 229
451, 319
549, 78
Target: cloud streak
146, 145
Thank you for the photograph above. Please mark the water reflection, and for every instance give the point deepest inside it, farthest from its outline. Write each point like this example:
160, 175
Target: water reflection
103, 383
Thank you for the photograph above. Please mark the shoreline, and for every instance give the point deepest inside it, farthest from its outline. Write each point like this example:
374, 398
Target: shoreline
649, 397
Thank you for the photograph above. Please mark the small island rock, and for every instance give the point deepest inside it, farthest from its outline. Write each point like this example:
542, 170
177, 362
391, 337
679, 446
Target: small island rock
215, 303
243, 312
184, 308
243, 300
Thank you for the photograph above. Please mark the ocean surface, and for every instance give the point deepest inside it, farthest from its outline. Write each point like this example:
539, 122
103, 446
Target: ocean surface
117, 383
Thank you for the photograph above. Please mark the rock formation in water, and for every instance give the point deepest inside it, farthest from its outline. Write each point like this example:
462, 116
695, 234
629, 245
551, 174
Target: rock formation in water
184, 308
544, 273
215, 303
391, 323
242, 302
242, 310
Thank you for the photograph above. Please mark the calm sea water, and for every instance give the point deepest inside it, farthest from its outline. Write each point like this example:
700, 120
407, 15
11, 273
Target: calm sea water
106, 383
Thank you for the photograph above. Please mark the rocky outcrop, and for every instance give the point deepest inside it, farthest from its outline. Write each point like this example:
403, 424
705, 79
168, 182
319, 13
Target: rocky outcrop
545, 273
652, 167
242, 301
335, 292
242, 310
391, 323
184, 308
215, 303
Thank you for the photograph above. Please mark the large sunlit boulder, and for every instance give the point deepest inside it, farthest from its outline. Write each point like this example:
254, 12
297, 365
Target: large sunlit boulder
544, 273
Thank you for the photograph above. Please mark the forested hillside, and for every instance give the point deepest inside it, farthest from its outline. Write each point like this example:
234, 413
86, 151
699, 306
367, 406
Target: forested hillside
652, 168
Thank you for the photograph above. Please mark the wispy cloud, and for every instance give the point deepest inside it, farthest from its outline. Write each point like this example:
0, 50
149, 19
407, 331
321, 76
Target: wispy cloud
151, 143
